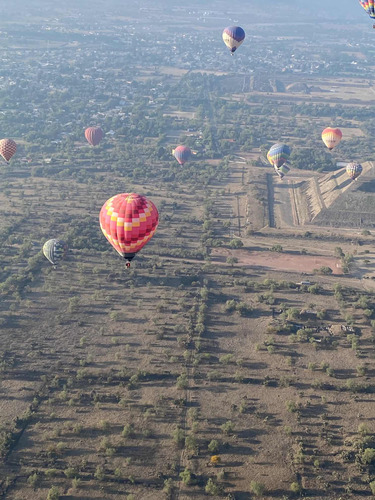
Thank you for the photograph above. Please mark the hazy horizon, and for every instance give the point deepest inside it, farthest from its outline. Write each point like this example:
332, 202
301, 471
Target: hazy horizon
276, 10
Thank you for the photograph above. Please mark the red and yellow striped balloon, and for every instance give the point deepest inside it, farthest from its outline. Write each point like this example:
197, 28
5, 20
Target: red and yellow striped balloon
128, 221
7, 148
331, 137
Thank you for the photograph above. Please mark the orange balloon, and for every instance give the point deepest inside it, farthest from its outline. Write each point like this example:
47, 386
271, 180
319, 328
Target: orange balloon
331, 137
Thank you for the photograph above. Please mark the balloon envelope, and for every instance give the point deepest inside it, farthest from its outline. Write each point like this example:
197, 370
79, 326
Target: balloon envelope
182, 154
369, 6
354, 170
54, 250
278, 154
331, 137
94, 135
7, 148
128, 221
233, 36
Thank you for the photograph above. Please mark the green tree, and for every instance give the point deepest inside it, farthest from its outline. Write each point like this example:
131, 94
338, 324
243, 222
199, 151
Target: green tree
128, 431
99, 473
32, 480
339, 252
231, 261
295, 487
178, 436
257, 488
213, 446
228, 427
70, 472
325, 270
182, 381
186, 477
76, 482
236, 243
368, 456
53, 493
168, 487
191, 443
213, 488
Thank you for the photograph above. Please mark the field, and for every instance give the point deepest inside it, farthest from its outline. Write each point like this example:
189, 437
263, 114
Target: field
123, 379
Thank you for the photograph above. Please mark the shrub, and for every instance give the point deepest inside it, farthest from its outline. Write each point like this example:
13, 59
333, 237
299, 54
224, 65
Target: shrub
315, 289
363, 429
186, 477
213, 488
51, 473
128, 431
99, 473
191, 444
361, 370
257, 488
54, 493
368, 456
295, 487
104, 425
182, 381
291, 406
178, 437
276, 248
168, 486
70, 472
321, 314
325, 270
230, 305
243, 309
235, 243
228, 427
32, 480
76, 482
231, 261
213, 446
215, 460
226, 359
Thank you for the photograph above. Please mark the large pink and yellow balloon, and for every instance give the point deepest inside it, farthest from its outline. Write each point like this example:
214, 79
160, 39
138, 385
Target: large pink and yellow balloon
128, 221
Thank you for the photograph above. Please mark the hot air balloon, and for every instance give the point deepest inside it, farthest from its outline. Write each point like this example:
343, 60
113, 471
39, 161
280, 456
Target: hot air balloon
128, 221
278, 154
7, 148
233, 37
94, 135
182, 154
354, 170
331, 137
54, 250
282, 171
369, 6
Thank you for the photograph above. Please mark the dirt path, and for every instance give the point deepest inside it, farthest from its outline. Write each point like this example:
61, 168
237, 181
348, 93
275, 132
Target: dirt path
279, 261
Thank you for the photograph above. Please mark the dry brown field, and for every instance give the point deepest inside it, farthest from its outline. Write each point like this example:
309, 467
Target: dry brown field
114, 381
